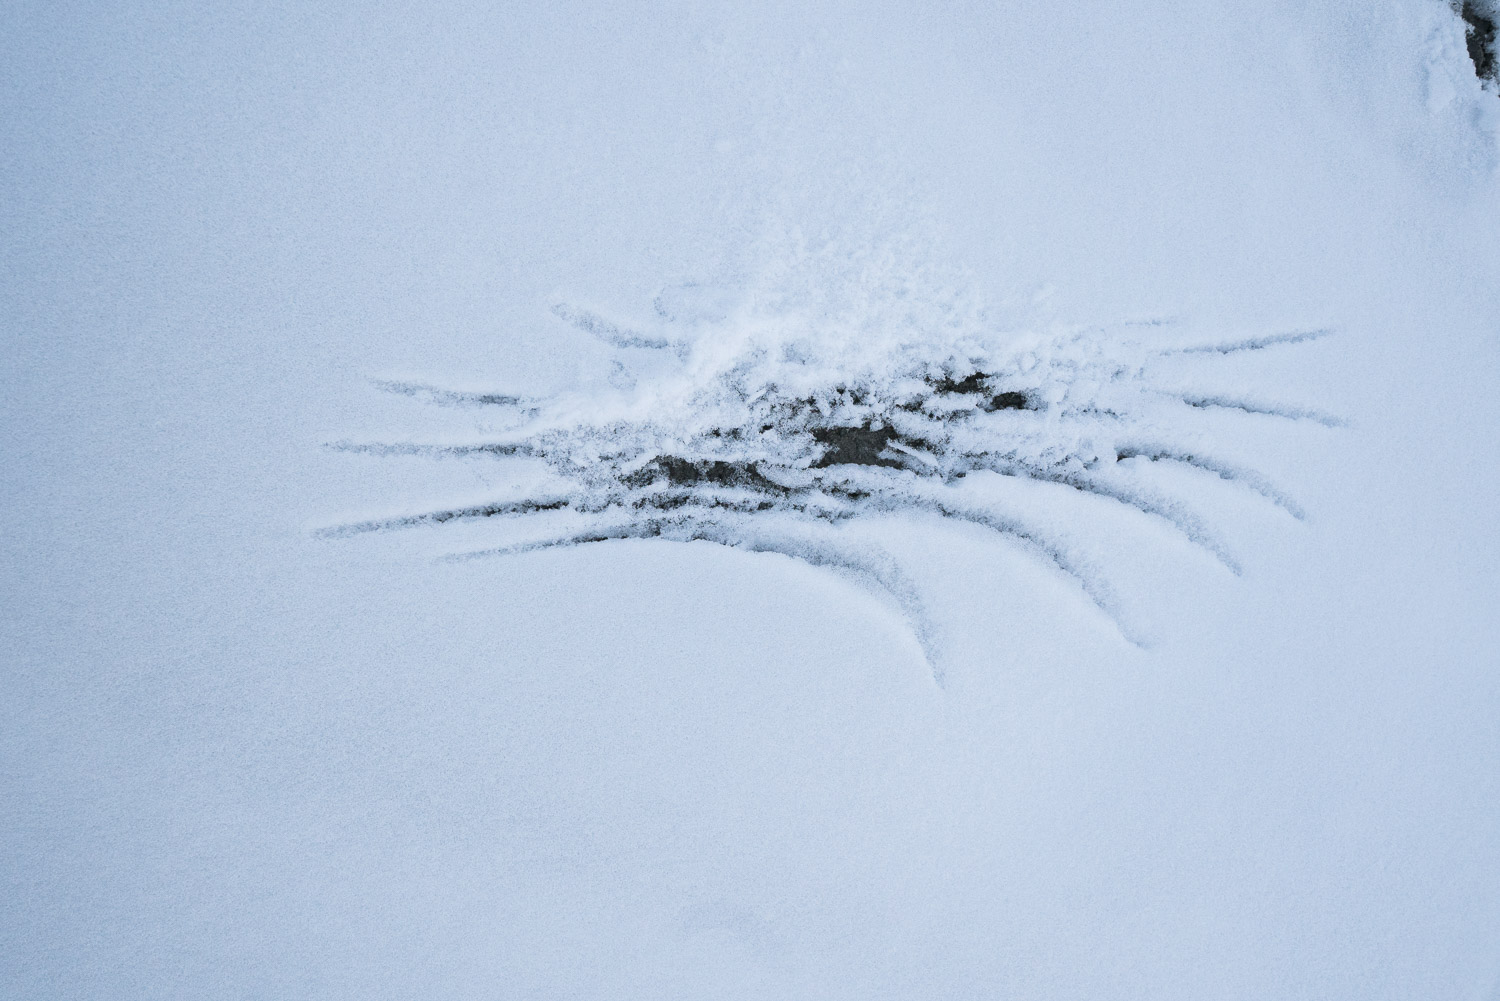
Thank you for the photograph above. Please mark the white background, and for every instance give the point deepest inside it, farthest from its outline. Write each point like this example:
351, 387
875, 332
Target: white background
239, 760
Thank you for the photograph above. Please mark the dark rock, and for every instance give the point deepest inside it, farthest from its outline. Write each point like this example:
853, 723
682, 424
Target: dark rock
1480, 36
1009, 401
860, 446
974, 383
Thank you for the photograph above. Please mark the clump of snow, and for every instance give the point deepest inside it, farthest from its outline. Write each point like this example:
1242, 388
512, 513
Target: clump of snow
843, 382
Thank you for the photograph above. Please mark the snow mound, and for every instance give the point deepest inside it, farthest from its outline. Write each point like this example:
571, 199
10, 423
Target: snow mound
845, 383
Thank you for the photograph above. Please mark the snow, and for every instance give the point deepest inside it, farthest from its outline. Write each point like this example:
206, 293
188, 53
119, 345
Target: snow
1141, 727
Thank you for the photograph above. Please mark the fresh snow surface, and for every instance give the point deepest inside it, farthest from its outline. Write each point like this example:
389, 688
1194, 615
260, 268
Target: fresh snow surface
750, 500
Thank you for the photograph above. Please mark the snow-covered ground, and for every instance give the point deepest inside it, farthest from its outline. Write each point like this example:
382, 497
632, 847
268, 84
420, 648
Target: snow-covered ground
1043, 658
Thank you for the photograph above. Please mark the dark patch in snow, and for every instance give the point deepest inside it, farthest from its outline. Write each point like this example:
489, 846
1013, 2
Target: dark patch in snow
1479, 34
857, 446
975, 383
979, 384
688, 473
1010, 401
